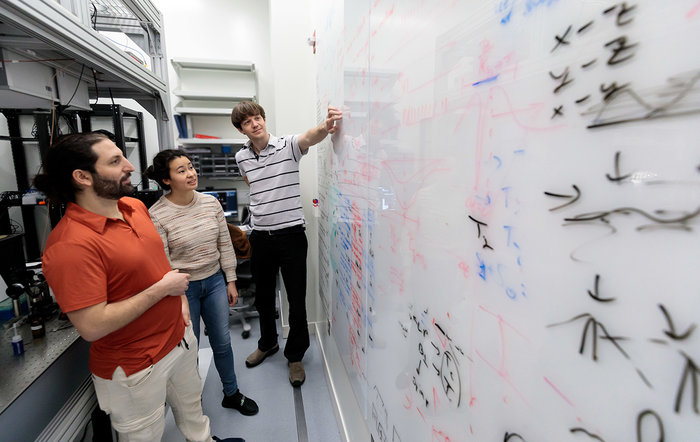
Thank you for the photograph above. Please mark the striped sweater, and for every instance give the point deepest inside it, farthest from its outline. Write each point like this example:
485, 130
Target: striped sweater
195, 236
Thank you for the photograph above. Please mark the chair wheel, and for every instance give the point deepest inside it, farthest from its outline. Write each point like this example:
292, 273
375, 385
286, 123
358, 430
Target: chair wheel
245, 334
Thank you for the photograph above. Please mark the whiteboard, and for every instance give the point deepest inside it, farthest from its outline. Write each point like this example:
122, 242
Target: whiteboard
508, 229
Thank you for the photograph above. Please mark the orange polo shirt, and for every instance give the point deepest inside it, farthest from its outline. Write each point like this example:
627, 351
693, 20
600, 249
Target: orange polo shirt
90, 259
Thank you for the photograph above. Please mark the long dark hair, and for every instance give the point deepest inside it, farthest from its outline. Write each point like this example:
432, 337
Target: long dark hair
160, 169
69, 152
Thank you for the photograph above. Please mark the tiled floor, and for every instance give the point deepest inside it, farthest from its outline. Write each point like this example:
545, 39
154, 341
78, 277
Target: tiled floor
268, 384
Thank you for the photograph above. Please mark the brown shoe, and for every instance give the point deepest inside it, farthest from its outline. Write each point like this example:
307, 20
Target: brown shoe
258, 356
296, 374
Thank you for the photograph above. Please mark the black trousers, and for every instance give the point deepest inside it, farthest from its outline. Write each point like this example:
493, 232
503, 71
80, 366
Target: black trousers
269, 254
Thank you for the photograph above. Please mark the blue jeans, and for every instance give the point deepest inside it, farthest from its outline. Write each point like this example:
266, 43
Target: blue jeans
208, 298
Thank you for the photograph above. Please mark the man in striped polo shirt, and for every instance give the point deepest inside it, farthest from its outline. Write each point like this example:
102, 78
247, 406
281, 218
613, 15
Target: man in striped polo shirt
270, 166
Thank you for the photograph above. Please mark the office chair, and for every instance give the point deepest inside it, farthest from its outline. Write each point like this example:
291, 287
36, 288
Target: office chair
245, 307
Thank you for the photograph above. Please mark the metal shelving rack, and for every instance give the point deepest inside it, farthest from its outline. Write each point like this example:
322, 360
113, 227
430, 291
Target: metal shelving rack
215, 165
118, 113
42, 122
64, 36
46, 30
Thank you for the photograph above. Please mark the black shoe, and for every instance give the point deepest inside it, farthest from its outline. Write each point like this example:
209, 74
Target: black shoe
237, 401
229, 439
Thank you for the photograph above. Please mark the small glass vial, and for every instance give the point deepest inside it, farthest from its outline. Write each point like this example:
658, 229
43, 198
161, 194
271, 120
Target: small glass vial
17, 343
36, 321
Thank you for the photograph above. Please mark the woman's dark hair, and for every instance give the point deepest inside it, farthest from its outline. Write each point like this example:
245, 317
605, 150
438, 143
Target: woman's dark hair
160, 169
69, 152
245, 109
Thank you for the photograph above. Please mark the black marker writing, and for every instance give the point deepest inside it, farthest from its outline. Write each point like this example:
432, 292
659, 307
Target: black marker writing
627, 210
478, 226
684, 87
594, 332
612, 90
561, 40
451, 380
584, 27
691, 371
596, 296
624, 10
671, 333
556, 195
617, 176
564, 77
641, 417
618, 47
587, 433
557, 111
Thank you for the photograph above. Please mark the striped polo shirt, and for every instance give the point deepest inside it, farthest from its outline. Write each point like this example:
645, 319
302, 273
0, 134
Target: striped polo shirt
275, 196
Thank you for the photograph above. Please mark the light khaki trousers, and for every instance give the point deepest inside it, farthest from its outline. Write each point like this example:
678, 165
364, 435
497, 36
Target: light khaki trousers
136, 403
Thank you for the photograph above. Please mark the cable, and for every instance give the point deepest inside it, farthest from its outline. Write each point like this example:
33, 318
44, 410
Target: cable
15, 227
69, 121
111, 96
126, 46
77, 86
94, 17
97, 95
53, 106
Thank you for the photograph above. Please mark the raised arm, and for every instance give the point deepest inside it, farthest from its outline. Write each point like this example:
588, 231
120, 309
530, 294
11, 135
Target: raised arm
339, 139
316, 134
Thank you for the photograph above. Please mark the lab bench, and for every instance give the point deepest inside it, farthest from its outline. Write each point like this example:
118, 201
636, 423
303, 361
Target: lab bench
36, 385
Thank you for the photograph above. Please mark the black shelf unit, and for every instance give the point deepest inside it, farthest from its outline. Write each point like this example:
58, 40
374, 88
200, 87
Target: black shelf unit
118, 113
216, 165
43, 123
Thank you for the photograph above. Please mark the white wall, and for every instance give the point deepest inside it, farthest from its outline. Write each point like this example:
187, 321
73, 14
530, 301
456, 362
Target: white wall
223, 30
295, 101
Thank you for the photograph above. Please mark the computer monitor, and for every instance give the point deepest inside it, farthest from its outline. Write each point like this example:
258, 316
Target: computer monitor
228, 200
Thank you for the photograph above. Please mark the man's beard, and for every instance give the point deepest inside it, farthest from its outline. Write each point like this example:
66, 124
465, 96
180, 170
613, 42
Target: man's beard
111, 189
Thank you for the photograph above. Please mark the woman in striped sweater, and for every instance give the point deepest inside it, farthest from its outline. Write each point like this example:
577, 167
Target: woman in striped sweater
196, 239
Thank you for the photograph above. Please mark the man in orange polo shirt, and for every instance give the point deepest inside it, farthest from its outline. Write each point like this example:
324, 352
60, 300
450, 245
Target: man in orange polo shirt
107, 267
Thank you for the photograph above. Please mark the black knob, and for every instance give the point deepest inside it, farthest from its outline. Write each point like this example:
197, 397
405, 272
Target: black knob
15, 290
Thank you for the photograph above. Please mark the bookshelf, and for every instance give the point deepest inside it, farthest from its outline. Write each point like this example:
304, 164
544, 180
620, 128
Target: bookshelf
208, 89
